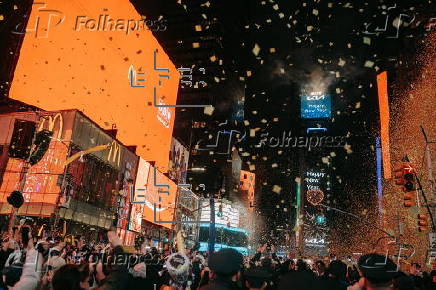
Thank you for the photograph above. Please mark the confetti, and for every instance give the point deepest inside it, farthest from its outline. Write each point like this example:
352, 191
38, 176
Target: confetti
256, 49
369, 63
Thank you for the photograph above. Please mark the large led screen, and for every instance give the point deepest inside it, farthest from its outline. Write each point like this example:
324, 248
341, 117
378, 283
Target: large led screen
316, 106
96, 56
138, 198
161, 191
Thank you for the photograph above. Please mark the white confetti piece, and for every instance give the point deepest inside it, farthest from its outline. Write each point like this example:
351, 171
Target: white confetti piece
369, 63
315, 12
276, 188
367, 40
276, 7
208, 110
256, 49
341, 62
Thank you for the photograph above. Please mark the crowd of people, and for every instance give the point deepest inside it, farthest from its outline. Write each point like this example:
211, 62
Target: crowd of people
29, 263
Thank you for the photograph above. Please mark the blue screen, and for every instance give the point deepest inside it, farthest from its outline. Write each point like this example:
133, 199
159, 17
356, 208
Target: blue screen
316, 106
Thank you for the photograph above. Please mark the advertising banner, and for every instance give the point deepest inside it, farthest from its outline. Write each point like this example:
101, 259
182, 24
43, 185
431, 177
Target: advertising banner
229, 215
248, 183
41, 186
160, 199
138, 198
178, 165
93, 54
316, 105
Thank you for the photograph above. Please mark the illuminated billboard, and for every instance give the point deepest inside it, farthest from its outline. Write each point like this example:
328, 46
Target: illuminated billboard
91, 56
178, 163
161, 191
42, 182
316, 105
229, 215
138, 197
248, 183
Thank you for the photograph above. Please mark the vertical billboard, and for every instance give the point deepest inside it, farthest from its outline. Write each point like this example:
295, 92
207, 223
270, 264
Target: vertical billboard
139, 194
160, 199
129, 163
317, 187
178, 163
248, 183
96, 56
316, 105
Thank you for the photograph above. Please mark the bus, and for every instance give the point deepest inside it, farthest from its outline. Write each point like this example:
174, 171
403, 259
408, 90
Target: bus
226, 237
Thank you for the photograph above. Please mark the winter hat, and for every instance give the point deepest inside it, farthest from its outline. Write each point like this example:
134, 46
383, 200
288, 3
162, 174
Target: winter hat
178, 266
226, 261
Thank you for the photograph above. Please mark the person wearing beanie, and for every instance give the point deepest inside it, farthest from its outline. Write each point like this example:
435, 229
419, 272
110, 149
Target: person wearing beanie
225, 266
178, 267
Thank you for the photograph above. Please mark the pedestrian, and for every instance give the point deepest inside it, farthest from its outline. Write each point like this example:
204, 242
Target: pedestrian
225, 266
378, 273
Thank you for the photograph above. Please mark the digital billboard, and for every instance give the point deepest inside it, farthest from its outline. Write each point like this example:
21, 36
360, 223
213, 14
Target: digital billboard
178, 163
229, 215
161, 191
316, 105
248, 183
138, 197
42, 182
96, 56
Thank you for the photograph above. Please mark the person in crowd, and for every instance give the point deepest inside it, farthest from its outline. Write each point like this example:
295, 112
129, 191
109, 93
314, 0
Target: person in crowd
337, 272
256, 278
378, 273
321, 269
416, 274
225, 266
71, 277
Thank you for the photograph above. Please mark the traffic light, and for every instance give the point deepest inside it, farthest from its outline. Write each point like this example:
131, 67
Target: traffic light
404, 176
422, 222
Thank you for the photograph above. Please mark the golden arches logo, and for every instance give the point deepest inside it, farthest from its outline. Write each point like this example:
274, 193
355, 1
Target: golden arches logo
51, 123
114, 154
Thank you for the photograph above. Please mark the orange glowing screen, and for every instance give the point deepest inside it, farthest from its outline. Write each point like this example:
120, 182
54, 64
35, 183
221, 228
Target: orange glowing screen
382, 87
82, 62
41, 186
248, 180
166, 198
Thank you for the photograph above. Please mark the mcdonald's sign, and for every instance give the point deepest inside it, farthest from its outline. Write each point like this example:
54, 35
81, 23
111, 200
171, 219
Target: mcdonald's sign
114, 154
51, 124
